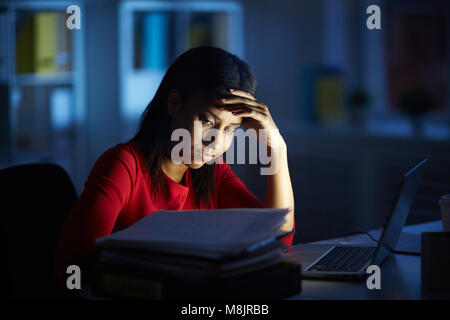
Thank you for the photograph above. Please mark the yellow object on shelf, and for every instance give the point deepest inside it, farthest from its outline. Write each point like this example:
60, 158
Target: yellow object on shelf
329, 98
45, 42
200, 35
36, 46
25, 48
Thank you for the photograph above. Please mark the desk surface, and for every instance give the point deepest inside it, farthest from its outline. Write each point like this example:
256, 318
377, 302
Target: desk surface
400, 275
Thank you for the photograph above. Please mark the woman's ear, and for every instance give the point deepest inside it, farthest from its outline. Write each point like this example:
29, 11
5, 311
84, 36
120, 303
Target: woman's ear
173, 102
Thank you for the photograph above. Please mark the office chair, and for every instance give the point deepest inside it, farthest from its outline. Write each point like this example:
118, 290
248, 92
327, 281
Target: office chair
35, 201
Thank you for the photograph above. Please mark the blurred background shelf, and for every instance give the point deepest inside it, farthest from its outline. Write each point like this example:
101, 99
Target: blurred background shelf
345, 179
357, 107
41, 87
32, 79
153, 33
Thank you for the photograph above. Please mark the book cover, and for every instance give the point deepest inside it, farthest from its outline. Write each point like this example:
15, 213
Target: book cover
321, 95
25, 43
155, 46
45, 33
36, 44
63, 44
329, 94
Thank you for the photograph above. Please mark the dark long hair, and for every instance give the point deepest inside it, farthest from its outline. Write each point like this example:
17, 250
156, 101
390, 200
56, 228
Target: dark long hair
205, 70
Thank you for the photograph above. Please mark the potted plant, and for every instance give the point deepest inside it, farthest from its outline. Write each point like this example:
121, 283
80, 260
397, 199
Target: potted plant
416, 102
358, 100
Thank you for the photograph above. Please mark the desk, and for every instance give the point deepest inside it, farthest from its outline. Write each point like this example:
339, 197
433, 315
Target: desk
400, 275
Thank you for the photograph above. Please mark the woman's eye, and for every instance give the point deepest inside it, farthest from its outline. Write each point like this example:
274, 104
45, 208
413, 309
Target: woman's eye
229, 130
205, 120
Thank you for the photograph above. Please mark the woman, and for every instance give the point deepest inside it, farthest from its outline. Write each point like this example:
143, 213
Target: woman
206, 86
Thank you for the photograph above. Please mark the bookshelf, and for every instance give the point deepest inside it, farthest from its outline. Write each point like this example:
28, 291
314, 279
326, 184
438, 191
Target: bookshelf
91, 96
41, 86
153, 33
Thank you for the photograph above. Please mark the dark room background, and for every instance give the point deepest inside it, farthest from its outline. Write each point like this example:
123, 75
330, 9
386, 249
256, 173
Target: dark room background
357, 107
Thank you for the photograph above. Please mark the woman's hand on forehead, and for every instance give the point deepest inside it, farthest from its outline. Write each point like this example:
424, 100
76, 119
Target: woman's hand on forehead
242, 94
255, 115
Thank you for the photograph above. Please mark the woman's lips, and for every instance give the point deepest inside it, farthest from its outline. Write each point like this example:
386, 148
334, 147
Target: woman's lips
205, 156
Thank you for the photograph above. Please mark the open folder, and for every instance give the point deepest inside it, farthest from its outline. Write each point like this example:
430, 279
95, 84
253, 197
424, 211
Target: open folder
206, 233
199, 253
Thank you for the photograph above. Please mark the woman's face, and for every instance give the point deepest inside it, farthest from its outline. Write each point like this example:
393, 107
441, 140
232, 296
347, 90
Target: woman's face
211, 130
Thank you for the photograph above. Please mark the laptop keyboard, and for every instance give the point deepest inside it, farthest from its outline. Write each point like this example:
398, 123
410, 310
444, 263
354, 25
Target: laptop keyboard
344, 259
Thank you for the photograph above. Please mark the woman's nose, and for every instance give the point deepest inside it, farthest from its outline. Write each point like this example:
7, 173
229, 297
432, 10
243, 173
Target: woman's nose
212, 142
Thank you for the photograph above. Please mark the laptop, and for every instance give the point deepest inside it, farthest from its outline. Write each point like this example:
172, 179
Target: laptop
351, 261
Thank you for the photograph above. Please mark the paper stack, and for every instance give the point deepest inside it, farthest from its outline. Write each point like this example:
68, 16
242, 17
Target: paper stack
224, 253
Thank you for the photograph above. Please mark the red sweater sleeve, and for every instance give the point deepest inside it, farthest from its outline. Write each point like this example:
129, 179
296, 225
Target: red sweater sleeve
94, 214
234, 194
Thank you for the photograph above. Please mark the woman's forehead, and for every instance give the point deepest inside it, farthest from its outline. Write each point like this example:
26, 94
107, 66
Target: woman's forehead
199, 101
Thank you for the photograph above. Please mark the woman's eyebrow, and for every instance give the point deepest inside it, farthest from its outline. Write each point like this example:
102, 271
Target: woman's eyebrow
218, 118
213, 114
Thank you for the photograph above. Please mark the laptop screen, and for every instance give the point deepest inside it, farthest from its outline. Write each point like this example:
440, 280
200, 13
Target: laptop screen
399, 213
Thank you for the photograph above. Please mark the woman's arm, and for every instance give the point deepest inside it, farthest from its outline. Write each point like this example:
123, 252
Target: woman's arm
256, 116
95, 212
279, 192
234, 194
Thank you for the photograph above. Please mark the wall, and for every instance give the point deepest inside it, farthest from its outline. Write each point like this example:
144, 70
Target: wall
280, 37
102, 82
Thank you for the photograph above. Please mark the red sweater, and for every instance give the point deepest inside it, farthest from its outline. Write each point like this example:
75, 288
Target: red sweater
118, 192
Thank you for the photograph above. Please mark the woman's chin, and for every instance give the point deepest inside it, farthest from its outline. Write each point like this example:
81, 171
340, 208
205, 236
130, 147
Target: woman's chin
195, 165
198, 165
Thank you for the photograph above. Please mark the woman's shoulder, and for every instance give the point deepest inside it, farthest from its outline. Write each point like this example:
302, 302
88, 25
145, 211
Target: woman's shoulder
124, 151
126, 155
221, 168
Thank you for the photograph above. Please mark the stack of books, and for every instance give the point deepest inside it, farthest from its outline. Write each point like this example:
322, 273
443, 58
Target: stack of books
215, 254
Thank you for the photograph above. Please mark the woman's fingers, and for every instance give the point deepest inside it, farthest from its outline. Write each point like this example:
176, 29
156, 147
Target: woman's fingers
239, 106
251, 113
242, 104
242, 100
241, 93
